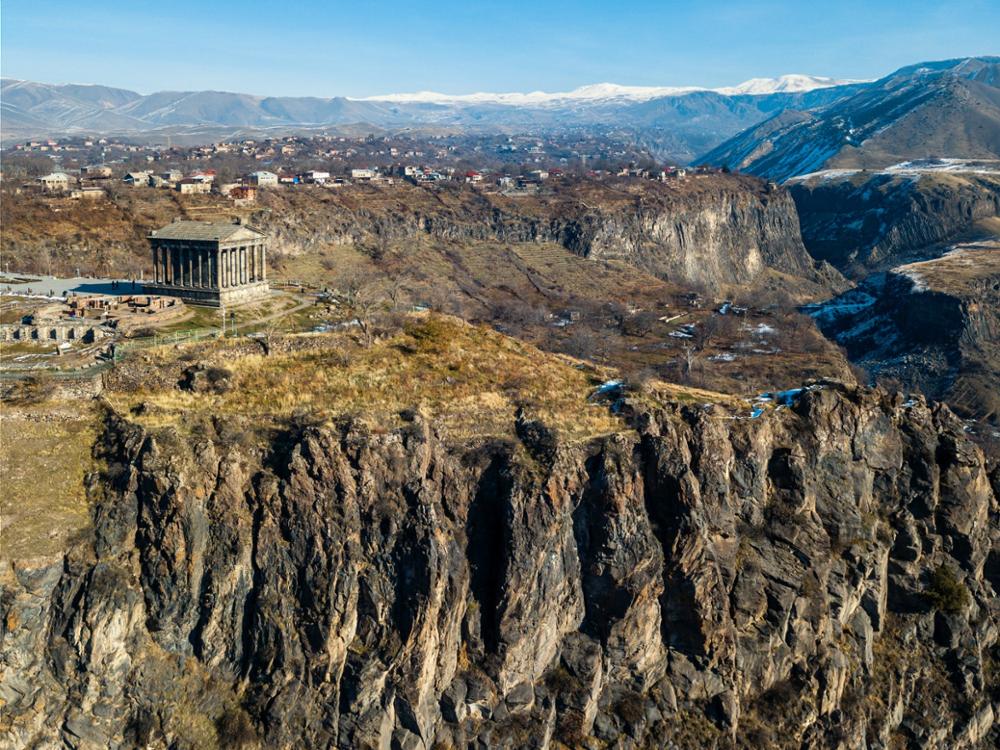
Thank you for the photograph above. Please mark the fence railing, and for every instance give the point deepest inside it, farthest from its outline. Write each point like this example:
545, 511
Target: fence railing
50, 371
122, 348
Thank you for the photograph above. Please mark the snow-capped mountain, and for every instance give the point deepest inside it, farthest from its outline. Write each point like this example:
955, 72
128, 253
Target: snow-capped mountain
596, 92
949, 108
779, 127
675, 122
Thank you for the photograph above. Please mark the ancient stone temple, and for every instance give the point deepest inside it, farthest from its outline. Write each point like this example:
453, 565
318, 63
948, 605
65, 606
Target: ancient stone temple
209, 262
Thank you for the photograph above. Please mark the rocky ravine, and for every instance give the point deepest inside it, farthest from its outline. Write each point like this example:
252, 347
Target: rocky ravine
723, 230
932, 326
865, 222
823, 576
711, 229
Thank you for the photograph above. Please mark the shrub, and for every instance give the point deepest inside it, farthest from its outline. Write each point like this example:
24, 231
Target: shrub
431, 334
143, 332
946, 592
32, 390
235, 729
218, 378
631, 707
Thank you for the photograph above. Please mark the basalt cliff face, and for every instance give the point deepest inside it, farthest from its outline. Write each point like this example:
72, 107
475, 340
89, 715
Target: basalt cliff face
823, 576
865, 223
713, 229
932, 326
728, 231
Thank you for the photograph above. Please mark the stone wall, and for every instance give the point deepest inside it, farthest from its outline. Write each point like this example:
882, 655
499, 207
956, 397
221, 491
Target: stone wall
51, 332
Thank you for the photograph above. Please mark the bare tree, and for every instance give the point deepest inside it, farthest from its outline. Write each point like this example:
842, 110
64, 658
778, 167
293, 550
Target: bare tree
690, 359
368, 301
397, 291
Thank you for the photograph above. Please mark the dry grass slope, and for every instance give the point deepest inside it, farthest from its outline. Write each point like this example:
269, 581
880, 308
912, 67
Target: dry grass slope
45, 453
469, 379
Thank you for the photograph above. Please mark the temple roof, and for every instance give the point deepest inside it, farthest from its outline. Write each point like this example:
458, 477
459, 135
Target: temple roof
206, 231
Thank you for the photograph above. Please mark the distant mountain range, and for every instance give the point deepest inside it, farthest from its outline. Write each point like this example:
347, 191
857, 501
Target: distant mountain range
787, 84
941, 109
677, 122
777, 128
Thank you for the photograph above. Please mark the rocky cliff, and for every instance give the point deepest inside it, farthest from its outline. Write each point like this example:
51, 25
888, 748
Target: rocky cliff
932, 325
822, 576
865, 222
711, 229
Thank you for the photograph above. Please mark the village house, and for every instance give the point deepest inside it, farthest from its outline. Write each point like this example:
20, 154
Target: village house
172, 176
57, 182
243, 193
137, 179
191, 185
363, 173
96, 171
316, 177
262, 178
88, 193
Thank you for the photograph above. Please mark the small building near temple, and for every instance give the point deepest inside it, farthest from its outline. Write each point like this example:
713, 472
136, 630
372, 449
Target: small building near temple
212, 263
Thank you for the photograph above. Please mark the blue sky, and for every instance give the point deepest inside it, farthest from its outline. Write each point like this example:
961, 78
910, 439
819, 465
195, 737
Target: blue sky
307, 47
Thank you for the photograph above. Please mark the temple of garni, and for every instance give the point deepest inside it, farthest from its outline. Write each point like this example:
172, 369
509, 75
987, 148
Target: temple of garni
209, 262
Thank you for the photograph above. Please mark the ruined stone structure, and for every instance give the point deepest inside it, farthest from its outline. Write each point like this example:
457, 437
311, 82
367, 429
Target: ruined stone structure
51, 331
209, 262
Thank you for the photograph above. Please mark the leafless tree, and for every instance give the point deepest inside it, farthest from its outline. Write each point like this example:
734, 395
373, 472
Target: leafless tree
690, 359
367, 302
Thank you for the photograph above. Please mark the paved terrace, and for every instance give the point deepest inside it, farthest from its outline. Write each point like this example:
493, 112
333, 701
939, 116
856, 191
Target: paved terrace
54, 286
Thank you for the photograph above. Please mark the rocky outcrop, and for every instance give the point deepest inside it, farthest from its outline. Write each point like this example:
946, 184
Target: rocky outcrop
823, 576
863, 223
726, 230
932, 326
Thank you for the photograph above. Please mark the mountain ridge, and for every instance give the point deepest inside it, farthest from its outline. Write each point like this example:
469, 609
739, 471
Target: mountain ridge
686, 122
948, 108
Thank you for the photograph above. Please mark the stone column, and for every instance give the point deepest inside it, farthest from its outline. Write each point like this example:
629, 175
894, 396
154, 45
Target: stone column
223, 269
244, 266
156, 273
